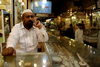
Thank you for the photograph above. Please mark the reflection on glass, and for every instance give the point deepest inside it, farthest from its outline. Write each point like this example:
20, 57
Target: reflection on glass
35, 65
74, 45
44, 61
43, 66
69, 42
91, 47
20, 63
88, 46
84, 44
93, 52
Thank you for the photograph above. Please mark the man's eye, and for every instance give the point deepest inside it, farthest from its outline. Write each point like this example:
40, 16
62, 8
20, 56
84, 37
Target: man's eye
27, 16
31, 16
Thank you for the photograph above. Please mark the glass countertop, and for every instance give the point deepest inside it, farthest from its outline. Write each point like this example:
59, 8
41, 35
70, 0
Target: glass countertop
89, 54
27, 60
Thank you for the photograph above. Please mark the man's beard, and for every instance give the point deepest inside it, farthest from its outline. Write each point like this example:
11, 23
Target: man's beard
29, 24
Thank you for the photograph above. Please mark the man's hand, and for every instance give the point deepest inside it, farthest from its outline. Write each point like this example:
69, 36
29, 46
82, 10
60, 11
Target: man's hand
9, 51
37, 24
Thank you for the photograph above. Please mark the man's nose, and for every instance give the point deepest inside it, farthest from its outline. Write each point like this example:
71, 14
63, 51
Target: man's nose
30, 18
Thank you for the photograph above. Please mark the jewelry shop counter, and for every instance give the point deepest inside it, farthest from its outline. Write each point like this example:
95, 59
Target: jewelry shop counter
59, 52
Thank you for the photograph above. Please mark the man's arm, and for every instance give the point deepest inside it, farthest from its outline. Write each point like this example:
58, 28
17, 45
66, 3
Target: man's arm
11, 42
42, 34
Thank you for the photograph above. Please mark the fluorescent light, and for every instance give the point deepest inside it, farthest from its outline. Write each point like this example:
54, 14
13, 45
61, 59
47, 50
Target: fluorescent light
0, 2
35, 65
22, 3
44, 61
20, 0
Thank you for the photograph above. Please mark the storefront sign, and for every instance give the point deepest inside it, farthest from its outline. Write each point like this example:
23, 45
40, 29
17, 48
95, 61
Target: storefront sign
41, 7
42, 15
66, 15
51, 15
81, 15
2, 7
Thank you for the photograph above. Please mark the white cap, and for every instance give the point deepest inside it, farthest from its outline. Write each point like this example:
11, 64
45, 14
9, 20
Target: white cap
27, 10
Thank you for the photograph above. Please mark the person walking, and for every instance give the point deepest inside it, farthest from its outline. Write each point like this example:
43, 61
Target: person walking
79, 34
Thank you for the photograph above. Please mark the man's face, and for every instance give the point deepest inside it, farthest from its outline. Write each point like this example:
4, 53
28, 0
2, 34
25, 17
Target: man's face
27, 19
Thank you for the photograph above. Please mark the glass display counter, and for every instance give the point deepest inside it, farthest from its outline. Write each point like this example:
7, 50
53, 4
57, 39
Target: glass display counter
90, 32
72, 53
59, 52
91, 36
26, 60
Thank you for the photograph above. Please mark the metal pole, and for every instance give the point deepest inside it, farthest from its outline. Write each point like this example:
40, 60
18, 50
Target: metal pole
2, 15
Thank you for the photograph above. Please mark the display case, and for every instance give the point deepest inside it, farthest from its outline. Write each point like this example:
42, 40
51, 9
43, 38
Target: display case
72, 53
90, 36
59, 52
26, 60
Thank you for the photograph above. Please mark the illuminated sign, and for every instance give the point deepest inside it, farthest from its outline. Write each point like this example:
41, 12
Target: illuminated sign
41, 15
42, 7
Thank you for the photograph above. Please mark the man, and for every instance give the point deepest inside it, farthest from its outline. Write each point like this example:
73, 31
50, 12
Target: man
79, 34
83, 26
25, 36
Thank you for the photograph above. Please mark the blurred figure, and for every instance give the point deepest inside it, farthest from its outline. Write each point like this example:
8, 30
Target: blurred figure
7, 28
94, 24
62, 32
79, 34
69, 32
83, 26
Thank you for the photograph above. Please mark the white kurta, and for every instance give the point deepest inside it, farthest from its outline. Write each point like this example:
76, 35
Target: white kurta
26, 41
79, 35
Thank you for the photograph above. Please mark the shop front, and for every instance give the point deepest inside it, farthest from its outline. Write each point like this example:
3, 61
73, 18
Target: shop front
80, 17
21, 6
5, 23
66, 19
95, 19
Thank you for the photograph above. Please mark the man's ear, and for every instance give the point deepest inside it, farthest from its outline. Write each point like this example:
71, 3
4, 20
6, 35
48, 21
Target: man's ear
22, 17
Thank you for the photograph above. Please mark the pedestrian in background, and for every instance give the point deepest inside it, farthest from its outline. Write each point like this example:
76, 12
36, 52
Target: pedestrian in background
79, 34
69, 32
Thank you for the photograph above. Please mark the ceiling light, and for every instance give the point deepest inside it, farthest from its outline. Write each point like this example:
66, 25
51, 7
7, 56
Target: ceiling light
0, 2
22, 3
20, 0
